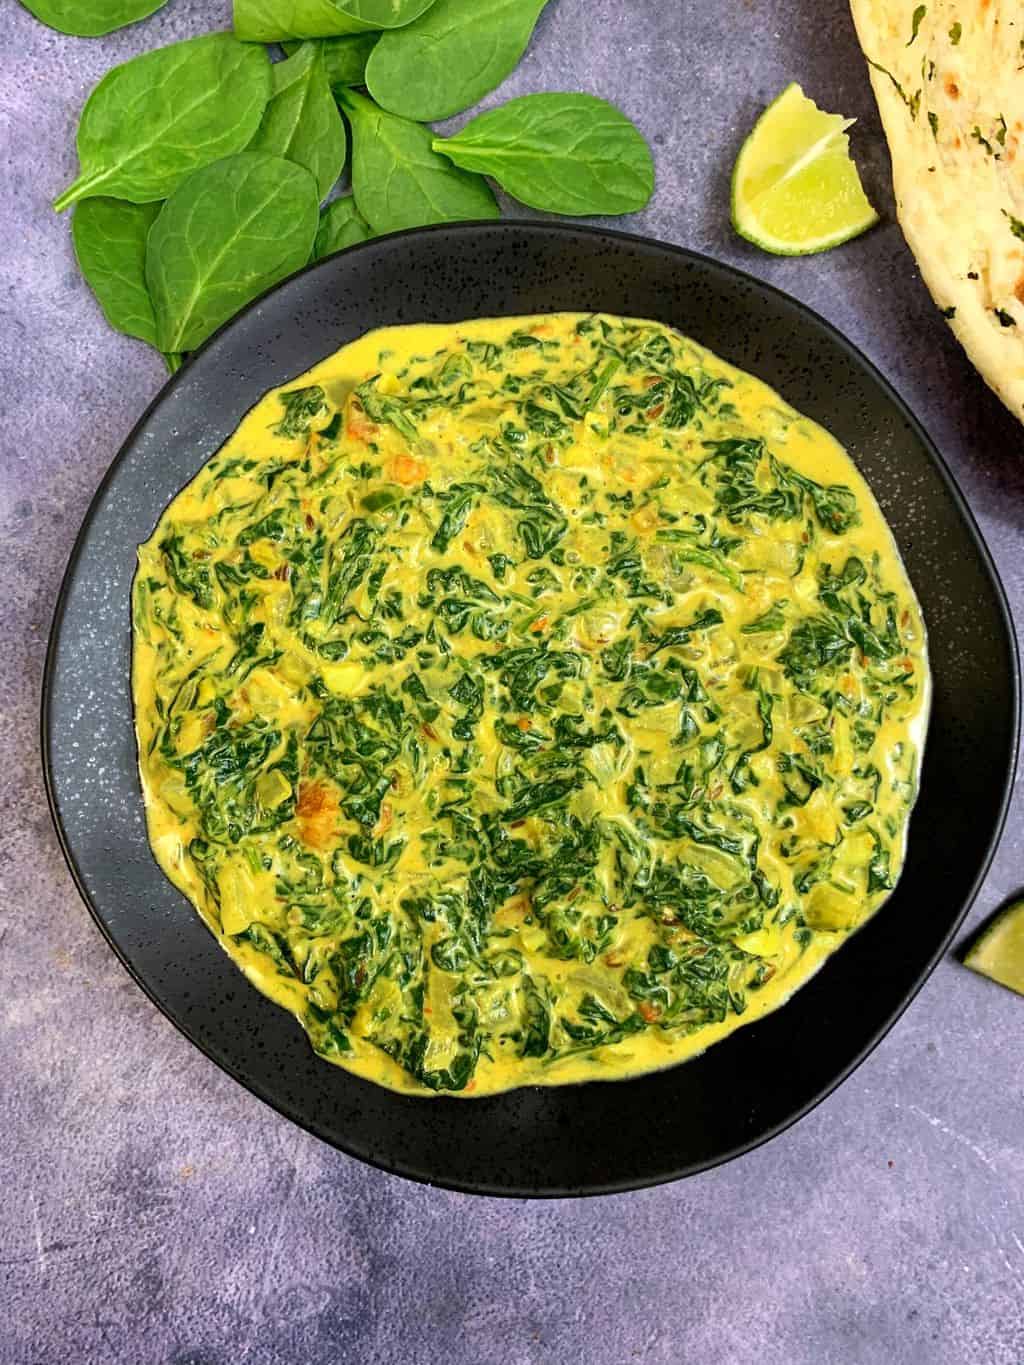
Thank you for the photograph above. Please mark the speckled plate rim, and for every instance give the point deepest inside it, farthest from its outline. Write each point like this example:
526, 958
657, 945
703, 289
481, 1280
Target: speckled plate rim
852, 354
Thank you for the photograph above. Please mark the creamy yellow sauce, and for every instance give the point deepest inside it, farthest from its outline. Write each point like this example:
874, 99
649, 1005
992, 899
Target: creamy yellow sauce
527, 701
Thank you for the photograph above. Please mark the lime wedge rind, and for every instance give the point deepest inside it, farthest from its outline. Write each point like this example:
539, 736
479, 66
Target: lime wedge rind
998, 951
825, 220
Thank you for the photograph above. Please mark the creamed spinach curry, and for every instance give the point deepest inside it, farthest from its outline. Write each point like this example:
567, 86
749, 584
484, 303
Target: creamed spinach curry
527, 701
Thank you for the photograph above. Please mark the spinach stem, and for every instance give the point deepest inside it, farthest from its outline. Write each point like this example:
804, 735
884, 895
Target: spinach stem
78, 189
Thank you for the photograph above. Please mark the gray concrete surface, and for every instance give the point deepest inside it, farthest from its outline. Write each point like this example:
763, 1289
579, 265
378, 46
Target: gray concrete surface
153, 1211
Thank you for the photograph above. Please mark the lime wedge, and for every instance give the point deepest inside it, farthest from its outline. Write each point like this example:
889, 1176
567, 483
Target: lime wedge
999, 951
794, 188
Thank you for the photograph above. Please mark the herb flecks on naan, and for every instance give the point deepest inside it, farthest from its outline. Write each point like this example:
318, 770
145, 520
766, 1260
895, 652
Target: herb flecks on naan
527, 701
949, 80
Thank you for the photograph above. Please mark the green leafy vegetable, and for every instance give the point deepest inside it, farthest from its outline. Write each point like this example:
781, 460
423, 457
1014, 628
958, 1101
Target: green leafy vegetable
398, 181
750, 480
457, 508
451, 57
686, 552
152, 121
188, 576
564, 153
91, 18
301, 408
380, 407
536, 1021
110, 245
229, 232
341, 225
345, 58
301, 122
773, 619
270, 21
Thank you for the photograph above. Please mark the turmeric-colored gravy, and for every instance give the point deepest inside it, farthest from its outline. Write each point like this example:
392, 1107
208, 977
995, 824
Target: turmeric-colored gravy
527, 701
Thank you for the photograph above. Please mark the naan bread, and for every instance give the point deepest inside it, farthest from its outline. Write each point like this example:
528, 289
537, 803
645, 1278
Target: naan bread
949, 80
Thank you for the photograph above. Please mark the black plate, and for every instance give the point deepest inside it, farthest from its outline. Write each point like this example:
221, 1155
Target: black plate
601, 1136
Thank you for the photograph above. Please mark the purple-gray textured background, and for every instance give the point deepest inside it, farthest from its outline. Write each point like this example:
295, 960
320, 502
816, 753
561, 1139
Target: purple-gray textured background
151, 1209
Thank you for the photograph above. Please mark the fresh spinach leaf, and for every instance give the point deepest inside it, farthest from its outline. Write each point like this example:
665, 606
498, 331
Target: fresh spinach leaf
91, 18
341, 225
451, 57
345, 58
398, 181
152, 121
302, 122
269, 21
228, 233
564, 153
109, 236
